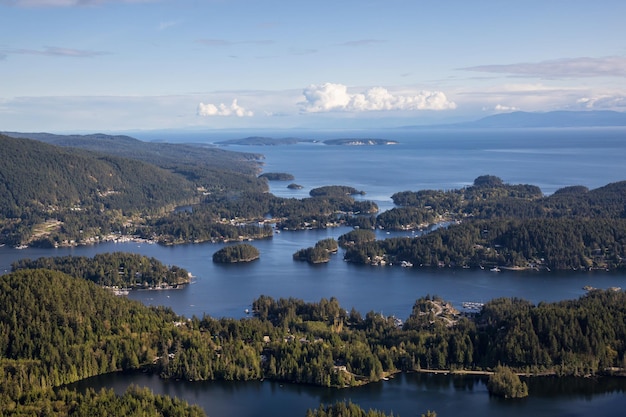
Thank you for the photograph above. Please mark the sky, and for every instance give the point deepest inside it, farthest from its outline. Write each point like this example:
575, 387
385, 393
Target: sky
122, 65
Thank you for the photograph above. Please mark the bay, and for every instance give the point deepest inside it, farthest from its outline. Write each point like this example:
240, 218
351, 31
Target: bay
227, 290
423, 159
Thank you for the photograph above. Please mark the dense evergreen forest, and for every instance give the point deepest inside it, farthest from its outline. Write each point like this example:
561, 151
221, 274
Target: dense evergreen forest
100, 187
492, 224
319, 253
116, 269
277, 176
241, 252
56, 329
343, 409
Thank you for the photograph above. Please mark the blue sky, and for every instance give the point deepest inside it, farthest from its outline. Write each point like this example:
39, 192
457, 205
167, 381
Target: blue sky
119, 65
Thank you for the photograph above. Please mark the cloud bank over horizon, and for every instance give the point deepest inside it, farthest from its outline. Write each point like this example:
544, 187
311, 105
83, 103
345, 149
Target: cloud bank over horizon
330, 97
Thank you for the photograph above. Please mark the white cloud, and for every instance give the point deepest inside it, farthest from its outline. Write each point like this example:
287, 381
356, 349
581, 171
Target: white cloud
222, 109
505, 109
335, 97
611, 66
602, 102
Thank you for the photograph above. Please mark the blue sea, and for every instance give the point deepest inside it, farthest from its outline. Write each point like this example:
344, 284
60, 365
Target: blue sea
435, 158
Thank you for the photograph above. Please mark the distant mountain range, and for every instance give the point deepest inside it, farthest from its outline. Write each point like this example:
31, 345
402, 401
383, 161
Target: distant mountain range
520, 119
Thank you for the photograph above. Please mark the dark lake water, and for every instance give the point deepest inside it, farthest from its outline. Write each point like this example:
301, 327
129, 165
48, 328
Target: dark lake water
550, 159
406, 395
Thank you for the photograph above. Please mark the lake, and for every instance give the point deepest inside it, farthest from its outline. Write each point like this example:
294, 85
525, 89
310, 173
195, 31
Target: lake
423, 159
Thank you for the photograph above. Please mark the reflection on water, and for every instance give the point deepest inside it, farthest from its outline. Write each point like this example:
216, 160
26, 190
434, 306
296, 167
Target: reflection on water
404, 395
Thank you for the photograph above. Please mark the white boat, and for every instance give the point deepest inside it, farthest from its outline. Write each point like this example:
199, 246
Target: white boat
495, 269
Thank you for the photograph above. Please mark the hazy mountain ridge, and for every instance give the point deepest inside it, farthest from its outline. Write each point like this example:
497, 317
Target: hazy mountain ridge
552, 119
165, 155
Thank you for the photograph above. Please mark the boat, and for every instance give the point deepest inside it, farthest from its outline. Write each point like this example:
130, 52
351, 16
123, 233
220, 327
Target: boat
495, 269
406, 264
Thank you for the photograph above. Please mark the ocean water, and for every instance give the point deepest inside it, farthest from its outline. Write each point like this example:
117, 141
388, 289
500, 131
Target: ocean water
437, 159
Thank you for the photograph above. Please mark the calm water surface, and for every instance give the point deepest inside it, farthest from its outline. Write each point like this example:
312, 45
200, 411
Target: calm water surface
406, 395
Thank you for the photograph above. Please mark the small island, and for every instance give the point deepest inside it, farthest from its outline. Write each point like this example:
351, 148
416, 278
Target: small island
360, 142
293, 186
277, 176
356, 237
334, 190
506, 383
318, 254
242, 252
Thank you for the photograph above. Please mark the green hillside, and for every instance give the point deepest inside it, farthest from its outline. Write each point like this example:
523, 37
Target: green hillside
56, 329
208, 167
40, 177
69, 190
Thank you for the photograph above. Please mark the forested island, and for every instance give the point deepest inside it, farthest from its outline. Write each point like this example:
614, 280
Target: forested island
360, 142
266, 141
495, 225
242, 252
83, 330
320, 253
277, 176
116, 270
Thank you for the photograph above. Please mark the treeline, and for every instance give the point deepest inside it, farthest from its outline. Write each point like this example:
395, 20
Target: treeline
242, 252
334, 190
505, 225
348, 409
277, 176
319, 253
37, 177
55, 329
356, 237
201, 224
65, 403
116, 184
545, 243
489, 198
116, 269
289, 213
